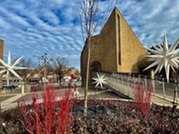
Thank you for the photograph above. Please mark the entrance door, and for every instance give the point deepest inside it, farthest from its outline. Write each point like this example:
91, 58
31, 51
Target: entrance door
96, 66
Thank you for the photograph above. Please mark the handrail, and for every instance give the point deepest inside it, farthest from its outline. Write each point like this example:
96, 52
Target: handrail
117, 81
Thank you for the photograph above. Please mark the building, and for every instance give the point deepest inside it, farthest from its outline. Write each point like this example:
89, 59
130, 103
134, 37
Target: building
70, 71
1, 48
116, 48
1, 57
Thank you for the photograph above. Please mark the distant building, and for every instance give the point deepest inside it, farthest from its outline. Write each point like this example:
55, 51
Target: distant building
1, 57
71, 71
33, 76
116, 49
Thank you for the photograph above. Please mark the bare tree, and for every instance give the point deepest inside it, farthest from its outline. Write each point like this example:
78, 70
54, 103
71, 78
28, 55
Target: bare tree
25, 63
87, 16
77, 72
60, 65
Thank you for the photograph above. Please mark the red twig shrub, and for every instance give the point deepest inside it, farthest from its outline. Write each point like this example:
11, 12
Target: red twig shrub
49, 104
142, 98
49, 116
63, 113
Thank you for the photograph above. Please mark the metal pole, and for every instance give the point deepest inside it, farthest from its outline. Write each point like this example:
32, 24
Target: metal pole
175, 92
175, 96
153, 80
0, 110
145, 83
163, 88
153, 85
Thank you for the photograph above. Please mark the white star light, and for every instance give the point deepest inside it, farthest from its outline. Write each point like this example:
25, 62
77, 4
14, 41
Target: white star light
99, 80
9, 68
164, 57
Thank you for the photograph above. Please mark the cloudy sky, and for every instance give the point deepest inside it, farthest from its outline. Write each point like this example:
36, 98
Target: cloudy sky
32, 27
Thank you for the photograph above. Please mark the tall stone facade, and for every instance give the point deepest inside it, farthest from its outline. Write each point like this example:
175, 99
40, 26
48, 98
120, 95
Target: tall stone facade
116, 48
1, 48
1, 56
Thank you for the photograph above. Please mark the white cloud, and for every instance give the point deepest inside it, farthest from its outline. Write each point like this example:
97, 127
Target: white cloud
33, 27
152, 19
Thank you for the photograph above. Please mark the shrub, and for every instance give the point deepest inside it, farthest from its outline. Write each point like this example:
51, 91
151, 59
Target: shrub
142, 98
49, 116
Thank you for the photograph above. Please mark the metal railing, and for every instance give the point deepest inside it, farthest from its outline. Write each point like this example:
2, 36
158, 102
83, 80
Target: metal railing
125, 84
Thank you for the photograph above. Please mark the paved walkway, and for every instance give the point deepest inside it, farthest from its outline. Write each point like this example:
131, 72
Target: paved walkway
121, 87
11, 99
162, 102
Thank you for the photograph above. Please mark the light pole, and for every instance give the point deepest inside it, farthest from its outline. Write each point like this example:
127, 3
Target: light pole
175, 97
46, 61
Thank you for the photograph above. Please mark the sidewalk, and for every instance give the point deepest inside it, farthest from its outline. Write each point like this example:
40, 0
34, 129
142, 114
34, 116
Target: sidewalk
160, 101
11, 99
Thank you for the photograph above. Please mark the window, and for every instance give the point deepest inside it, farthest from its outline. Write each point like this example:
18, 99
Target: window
118, 40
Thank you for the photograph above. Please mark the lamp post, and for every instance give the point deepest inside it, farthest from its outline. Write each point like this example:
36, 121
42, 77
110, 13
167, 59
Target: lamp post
46, 61
176, 90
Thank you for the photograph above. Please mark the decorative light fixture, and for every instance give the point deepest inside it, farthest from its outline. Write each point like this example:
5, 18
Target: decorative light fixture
99, 80
9, 68
164, 57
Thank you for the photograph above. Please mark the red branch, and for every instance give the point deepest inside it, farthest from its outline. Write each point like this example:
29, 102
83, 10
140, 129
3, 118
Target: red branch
43, 118
65, 107
142, 98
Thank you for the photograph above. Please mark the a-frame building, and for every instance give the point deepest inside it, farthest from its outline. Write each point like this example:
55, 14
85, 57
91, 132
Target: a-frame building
1, 56
116, 48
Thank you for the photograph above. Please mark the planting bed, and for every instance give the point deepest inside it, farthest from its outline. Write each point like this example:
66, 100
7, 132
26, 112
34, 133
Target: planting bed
122, 117
109, 117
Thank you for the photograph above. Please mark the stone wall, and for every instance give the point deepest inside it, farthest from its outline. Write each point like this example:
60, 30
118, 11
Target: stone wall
1, 57
1, 48
131, 48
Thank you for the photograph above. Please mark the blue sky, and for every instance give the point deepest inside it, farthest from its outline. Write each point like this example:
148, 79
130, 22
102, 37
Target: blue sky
33, 27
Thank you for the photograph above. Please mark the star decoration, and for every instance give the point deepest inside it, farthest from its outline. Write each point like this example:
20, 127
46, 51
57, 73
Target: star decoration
99, 80
164, 57
9, 68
